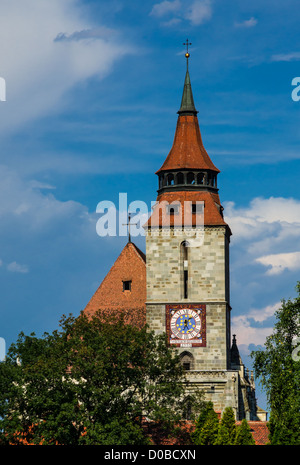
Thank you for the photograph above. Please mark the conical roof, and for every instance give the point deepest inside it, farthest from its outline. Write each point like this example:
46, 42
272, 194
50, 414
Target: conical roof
187, 152
187, 102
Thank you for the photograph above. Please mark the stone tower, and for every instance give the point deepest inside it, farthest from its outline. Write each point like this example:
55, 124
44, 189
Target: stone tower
187, 267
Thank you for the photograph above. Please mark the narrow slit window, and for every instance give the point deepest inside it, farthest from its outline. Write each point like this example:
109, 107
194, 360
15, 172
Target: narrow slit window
185, 267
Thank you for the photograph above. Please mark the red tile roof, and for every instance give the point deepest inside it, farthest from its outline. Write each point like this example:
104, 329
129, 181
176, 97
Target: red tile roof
259, 430
212, 209
188, 151
129, 266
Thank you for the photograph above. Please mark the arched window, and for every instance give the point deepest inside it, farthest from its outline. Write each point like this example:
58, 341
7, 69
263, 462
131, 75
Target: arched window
170, 179
190, 178
200, 178
187, 361
179, 178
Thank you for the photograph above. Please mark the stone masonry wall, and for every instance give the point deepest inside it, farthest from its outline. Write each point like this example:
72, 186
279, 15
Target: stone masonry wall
208, 283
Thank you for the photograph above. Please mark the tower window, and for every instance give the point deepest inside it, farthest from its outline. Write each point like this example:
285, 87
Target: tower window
200, 178
185, 266
187, 361
180, 179
173, 209
191, 178
126, 285
170, 179
197, 207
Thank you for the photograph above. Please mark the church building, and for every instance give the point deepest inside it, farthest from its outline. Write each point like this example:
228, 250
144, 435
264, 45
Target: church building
181, 285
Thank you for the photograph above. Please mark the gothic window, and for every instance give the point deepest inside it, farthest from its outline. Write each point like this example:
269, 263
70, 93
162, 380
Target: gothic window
187, 360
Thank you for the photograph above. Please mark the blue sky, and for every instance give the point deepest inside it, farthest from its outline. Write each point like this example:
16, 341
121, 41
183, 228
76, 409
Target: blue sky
92, 94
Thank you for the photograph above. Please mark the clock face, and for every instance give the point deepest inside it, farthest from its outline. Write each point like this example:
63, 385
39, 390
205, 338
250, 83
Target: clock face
186, 325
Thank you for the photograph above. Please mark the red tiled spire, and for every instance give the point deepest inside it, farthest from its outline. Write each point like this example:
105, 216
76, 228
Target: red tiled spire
188, 151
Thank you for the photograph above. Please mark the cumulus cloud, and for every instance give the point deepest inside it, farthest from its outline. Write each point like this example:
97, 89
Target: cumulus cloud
277, 263
267, 223
265, 262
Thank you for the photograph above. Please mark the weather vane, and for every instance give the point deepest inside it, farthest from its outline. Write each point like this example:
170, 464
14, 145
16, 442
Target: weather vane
129, 224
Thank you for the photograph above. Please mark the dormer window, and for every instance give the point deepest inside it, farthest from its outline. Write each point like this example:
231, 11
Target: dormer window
126, 286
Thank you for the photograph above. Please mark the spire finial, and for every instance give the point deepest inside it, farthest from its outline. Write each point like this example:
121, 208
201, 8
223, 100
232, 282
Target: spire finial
187, 55
187, 103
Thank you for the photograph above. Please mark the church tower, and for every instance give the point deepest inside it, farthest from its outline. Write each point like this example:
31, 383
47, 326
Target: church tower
187, 267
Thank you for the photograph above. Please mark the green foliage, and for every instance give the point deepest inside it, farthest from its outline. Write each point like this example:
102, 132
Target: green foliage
243, 435
92, 382
210, 431
278, 368
207, 425
227, 428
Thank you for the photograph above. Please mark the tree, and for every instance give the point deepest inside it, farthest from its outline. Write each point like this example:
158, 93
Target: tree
91, 382
207, 425
243, 435
278, 368
227, 428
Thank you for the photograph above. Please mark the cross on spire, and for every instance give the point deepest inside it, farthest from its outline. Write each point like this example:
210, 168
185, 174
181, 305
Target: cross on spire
129, 224
187, 43
187, 55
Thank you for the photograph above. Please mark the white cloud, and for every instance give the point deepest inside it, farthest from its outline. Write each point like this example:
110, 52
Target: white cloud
196, 12
265, 262
247, 23
17, 268
266, 224
292, 56
199, 12
166, 7
38, 69
277, 263
268, 232
29, 208
247, 331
